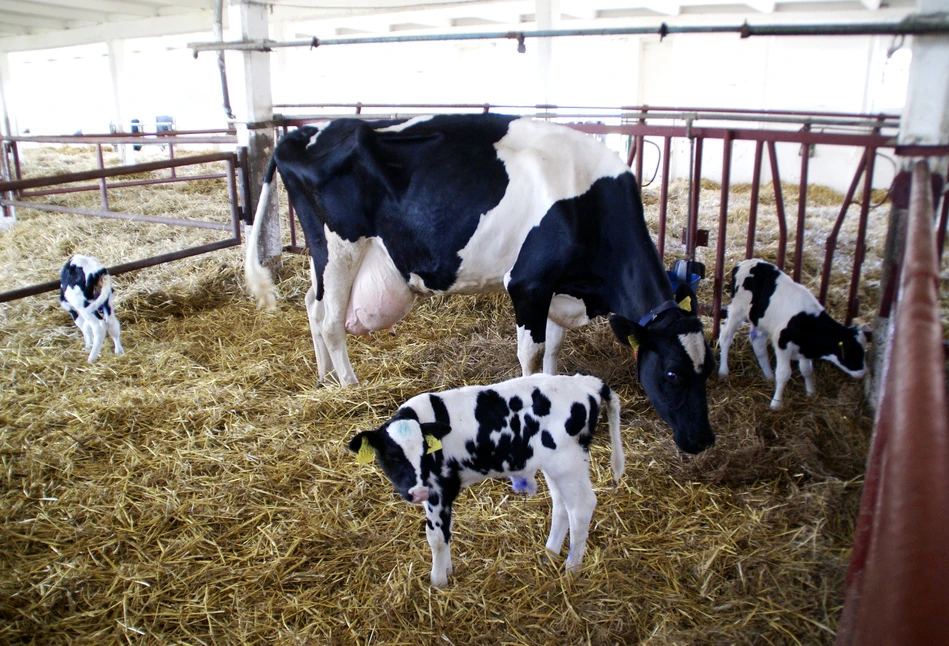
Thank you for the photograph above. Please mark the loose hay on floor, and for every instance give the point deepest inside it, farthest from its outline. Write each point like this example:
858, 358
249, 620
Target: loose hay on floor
199, 490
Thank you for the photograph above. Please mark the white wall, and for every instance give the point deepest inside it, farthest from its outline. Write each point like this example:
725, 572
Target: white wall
64, 90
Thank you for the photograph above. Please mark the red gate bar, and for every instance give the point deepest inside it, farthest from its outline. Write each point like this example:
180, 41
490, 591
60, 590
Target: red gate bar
896, 591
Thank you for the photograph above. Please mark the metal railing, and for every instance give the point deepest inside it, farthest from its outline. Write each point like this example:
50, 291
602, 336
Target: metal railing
15, 192
896, 590
868, 134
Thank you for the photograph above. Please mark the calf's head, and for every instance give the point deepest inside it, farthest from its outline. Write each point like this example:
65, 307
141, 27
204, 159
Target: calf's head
404, 449
674, 363
849, 352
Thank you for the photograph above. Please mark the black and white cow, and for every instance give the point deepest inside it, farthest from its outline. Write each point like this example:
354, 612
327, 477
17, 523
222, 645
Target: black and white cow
794, 320
437, 444
471, 204
85, 291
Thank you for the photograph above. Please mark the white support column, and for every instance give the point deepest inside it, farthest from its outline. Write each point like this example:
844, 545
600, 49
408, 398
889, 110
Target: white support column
255, 115
546, 16
7, 214
925, 121
116, 49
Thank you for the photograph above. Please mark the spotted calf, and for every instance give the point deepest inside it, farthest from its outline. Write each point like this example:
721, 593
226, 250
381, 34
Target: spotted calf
437, 444
85, 291
787, 313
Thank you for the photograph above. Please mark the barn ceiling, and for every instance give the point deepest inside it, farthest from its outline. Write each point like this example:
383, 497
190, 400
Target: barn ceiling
42, 24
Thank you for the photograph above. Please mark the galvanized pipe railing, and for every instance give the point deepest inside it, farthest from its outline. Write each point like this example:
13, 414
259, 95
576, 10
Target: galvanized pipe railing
896, 591
18, 187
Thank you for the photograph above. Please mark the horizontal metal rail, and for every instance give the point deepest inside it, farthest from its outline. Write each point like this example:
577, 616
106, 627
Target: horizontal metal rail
664, 124
912, 25
896, 590
12, 188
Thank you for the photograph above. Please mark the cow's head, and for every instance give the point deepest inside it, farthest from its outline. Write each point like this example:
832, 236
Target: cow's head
403, 448
849, 352
674, 363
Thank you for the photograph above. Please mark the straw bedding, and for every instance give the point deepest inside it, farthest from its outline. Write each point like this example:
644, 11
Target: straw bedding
198, 489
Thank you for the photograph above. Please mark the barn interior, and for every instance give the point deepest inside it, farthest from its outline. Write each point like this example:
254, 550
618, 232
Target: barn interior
199, 489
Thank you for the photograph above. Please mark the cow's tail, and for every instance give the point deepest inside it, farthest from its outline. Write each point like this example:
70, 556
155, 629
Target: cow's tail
258, 278
617, 457
104, 283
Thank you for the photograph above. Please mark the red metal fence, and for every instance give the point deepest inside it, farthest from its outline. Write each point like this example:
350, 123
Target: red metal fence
767, 130
896, 590
15, 192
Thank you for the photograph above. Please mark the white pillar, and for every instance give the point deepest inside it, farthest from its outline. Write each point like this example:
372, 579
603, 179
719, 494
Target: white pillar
546, 16
116, 49
7, 214
255, 115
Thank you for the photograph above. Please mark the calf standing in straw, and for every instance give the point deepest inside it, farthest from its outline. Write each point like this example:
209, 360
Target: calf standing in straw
439, 443
85, 291
799, 328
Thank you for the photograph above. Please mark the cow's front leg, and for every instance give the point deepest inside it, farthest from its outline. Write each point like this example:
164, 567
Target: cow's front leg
807, 371
554, 342
530, 313
438, 533
565, 313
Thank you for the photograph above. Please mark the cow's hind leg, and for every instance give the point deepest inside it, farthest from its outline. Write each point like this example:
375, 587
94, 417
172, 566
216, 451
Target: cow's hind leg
115, 332
97, 328
559, 520
782, 372
314, 312
341, 268
579, 501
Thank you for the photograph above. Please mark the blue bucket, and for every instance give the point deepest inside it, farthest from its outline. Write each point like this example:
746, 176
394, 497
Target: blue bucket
693, 280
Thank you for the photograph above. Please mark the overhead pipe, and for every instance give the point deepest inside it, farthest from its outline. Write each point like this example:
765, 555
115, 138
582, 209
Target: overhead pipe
912, 25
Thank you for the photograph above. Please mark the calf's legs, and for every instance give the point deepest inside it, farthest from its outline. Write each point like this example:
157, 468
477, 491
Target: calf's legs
573, 503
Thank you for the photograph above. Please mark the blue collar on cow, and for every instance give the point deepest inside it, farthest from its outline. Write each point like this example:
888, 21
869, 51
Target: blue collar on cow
656, 311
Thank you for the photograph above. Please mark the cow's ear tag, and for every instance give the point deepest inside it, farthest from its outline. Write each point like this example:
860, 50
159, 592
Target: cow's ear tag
366, 452
633, 343
842, 351
434, 444
686, 304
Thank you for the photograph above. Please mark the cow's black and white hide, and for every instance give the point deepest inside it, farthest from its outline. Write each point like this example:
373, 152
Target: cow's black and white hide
794, 320
397, 210
437, 444
85, 291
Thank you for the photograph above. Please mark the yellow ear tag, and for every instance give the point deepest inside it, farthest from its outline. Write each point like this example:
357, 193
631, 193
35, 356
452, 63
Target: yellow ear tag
843, 352
366, 452
633, 343
434, 444
686, 304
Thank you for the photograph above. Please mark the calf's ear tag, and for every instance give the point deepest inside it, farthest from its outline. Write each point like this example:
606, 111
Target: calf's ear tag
842, 351
633, 343
434, 444
366, 452
686, 304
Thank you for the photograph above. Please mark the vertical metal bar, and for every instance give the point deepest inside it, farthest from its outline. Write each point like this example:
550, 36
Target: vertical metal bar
753, 208
639, 159
664, 196
5, 171
16, 162
779, 206
171, 156
801, 210
694, 201
232, 196
718, 285
853, 302
943, 222
832, 238
103, 193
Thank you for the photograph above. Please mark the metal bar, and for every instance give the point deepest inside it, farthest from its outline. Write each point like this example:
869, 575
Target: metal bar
779, 206
801, 212
719, 282
115, 215
141, 182
664, 196
171, 156
693, 225
913, 25
895, 588
82, 176
232, 196
53, 285
943, 221
853, 302
125, 138
753, 208
103, 190
831, 245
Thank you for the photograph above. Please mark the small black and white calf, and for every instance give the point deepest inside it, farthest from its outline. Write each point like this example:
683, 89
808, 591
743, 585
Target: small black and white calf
437, 444
798, 326
85, 291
